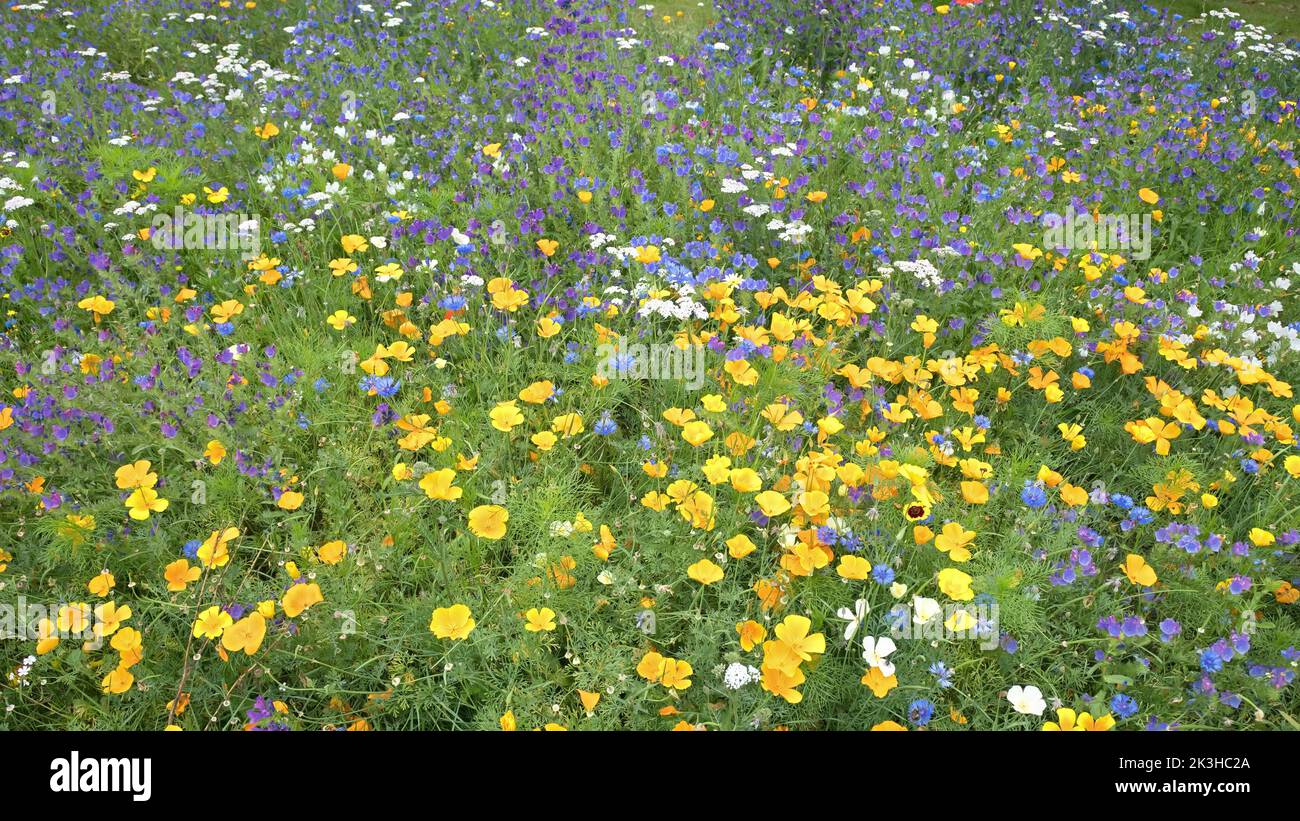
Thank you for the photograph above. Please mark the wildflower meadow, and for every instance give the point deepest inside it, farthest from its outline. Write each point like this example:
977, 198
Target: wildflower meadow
737, 365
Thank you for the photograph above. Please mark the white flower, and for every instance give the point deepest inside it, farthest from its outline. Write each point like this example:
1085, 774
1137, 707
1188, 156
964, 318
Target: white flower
924, 609
854, 617
875, 652
1026, 700
738, 675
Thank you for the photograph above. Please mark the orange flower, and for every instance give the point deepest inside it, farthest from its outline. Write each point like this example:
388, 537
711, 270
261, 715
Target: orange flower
179, 573
299, 598
751, 634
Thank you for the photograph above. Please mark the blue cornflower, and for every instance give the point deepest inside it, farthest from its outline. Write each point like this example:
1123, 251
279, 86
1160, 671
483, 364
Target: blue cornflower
384, 386
1211, 662
942, 674
605, 426
1123, 706
920, 711
1033, 495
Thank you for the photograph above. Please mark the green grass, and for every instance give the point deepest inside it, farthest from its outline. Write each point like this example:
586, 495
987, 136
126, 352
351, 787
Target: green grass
367, 651
1280, 17
689, 15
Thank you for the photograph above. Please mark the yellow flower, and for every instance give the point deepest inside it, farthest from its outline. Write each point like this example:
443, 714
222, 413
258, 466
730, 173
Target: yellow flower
143, 501
118, 681
340, 320
954, 540
109, 618
246, 634
547, 327
101, 584
488, 521
772, 503
879, 683
437, 484
568, 424
853, 567
697, 432
651, 666
746, 480
1066, 721
705, 572
99, 306
1096, 725
1138, 571
1261, 537
135, 475
127, 642
506, 416
717, 469
955, 584
299, 598
676, 674
543, 440
353, 243
211, 623
290, 500
975, 493
510, 299
793, 633
214, 551
341, 266
455, 622
74, 618
332, 552
539, 620
215, 451
782, 682
537, 392
740, 546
